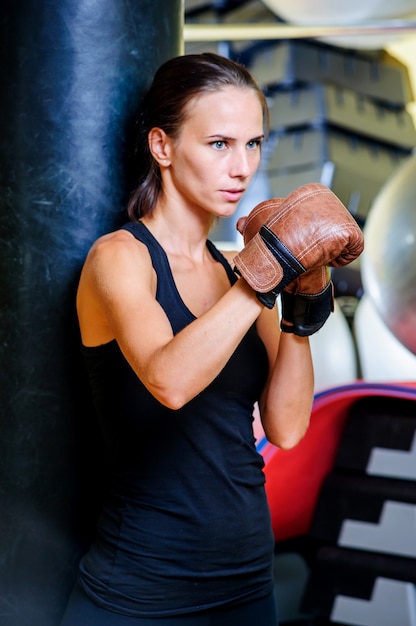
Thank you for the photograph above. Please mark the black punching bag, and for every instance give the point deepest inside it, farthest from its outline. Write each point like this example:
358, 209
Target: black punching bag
71, 75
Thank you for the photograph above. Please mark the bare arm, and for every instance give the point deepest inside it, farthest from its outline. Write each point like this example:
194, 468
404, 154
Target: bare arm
116, 300
286, 402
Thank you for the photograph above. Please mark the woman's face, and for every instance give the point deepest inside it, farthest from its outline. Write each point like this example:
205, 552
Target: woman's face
217, 152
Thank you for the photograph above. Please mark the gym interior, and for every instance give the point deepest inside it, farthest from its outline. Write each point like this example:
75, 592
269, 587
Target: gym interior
341, 87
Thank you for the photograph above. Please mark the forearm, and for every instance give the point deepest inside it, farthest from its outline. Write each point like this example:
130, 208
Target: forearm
287, 400
182, 367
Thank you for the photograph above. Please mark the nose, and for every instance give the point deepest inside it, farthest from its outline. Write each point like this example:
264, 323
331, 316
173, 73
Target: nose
242, 164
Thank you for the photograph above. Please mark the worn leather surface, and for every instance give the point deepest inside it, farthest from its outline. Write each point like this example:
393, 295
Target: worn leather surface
313, 281
313, 225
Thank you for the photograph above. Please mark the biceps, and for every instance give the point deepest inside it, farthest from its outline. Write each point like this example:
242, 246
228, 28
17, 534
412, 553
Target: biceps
140, 326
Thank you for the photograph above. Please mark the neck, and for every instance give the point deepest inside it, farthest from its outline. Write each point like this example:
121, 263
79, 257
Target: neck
180, 232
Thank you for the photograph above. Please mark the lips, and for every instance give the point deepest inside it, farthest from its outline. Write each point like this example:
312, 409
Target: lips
232, 195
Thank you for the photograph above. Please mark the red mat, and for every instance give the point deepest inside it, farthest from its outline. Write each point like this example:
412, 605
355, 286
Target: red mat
294, 477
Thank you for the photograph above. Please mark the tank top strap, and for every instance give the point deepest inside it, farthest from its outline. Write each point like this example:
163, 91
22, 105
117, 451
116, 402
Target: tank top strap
218, 256
166, 292
159, 258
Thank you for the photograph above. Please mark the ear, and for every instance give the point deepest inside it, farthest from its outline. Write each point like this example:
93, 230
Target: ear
159, 146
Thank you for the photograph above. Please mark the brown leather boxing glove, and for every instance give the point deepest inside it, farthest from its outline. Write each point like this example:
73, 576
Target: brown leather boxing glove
305, 231
307, 301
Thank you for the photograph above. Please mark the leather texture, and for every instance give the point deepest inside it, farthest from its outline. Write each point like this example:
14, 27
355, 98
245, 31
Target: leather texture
312, 281
313, 226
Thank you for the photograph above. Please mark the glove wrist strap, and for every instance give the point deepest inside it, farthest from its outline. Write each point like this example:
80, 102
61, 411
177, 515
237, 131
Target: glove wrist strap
305, 314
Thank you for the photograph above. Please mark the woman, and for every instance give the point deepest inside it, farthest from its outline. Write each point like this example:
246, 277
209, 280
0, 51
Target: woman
179, 350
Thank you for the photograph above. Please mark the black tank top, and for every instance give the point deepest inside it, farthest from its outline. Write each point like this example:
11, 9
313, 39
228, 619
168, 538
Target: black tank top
186, 524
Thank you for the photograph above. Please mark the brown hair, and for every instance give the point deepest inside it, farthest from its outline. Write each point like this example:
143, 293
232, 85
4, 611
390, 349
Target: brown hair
164, 106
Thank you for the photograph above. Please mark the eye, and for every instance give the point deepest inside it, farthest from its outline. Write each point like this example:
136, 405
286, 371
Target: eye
254, 143
219, 144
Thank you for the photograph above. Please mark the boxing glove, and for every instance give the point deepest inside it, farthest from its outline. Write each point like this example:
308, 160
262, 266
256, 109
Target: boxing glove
308, 300
307, 230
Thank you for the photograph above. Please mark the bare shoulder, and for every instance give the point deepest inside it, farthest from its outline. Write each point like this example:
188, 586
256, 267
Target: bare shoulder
115, 262
116, 272
117, 253
116, 246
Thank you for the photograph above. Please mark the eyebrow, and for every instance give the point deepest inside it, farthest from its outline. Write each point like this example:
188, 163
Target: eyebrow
226, 138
